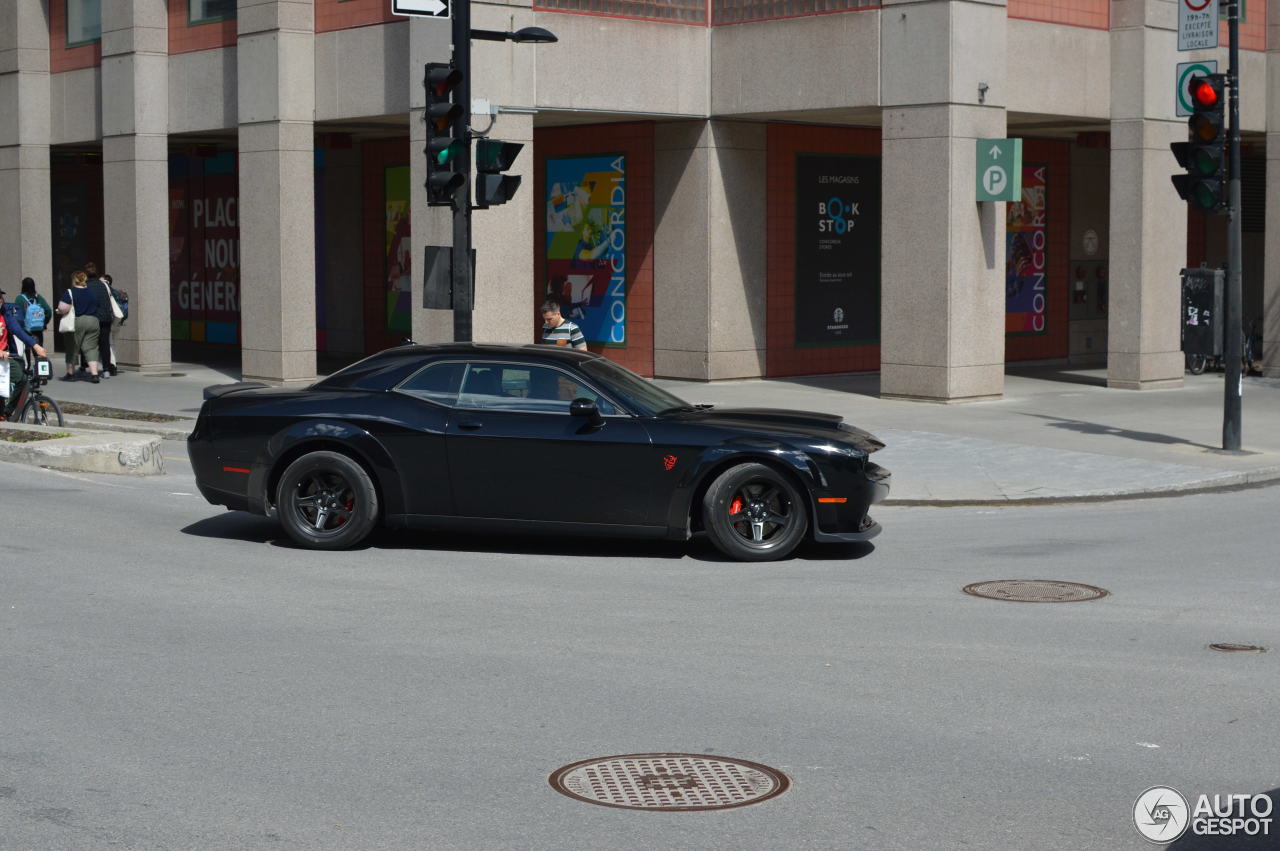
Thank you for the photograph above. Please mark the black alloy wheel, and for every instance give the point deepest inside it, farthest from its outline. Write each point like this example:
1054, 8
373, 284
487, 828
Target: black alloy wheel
1196, 364
326, 501
752, 512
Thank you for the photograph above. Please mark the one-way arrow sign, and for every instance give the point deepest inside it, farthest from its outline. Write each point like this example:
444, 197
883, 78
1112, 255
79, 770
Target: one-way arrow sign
425, 8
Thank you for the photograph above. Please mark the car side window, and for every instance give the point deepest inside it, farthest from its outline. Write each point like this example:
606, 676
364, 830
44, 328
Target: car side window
512, 387
437, 383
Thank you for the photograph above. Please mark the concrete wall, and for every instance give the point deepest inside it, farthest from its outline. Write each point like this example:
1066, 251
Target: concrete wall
203, 91
75, 110
1080, 59
616, 65
362, 71
778, 67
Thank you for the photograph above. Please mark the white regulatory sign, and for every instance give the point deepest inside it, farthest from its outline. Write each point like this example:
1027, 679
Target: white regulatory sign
1197, 24
425, 8
1187, 70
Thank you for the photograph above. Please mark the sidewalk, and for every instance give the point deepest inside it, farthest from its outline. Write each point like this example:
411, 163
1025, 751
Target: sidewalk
1058, 433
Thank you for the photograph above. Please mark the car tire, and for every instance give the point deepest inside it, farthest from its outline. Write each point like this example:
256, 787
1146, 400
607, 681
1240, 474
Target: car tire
752, 512
326, 501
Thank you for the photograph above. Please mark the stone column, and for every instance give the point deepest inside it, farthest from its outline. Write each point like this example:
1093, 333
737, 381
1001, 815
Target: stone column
942, 265
26, 247
1271, 260
1148, 236
135, 174
275, 66
503, 74
709, 252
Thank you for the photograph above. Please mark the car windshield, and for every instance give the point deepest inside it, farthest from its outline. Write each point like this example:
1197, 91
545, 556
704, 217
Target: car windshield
647, 398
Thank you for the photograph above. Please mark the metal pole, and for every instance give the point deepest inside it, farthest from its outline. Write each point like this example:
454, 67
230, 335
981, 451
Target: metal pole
462, 272
1233, 380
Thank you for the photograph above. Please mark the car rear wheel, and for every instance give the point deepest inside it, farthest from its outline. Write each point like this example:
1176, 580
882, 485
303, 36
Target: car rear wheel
752, 512
326, 501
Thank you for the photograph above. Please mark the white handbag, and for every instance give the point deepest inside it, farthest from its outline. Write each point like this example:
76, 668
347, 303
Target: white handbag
67, 324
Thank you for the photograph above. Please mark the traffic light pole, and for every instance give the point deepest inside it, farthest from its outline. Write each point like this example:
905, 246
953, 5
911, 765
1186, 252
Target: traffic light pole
462, 273
1233, 380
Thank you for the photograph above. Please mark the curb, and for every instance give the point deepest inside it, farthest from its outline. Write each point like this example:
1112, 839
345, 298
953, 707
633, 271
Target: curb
174, 430
1231, 482
86, 452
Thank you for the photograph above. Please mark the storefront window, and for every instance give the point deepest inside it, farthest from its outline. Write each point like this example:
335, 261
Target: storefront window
84, 22
208, 11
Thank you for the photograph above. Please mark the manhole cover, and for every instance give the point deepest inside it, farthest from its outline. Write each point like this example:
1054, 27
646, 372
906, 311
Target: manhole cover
1035, 591
1226, 647
669, 781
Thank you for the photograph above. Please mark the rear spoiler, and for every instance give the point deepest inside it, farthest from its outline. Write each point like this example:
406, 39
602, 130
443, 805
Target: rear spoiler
215, 390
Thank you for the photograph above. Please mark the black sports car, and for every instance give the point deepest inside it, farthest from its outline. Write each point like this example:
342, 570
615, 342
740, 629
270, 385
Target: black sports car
529, 438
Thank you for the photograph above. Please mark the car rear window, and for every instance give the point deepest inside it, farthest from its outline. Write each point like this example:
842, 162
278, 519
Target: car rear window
380, 372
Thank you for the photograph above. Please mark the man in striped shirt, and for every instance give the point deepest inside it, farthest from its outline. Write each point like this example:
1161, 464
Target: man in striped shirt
558, 331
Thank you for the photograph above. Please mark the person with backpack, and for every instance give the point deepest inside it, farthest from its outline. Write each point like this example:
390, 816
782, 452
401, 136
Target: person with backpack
11, 331
33, 311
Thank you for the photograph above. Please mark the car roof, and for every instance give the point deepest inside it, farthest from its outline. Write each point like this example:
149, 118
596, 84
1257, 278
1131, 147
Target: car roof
559, 354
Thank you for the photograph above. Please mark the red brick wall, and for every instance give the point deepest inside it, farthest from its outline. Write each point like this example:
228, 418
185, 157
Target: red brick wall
189, 39
340, 15
783, 357
375, 156
1093, 14
635, 139
61, 57
1055, 341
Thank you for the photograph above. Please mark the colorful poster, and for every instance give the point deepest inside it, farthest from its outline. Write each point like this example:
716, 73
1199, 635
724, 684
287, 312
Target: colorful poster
837, 250
398, 248
587, 243
204, 249
1026, 233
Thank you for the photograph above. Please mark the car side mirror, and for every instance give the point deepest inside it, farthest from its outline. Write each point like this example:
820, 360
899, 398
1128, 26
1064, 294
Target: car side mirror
583, 407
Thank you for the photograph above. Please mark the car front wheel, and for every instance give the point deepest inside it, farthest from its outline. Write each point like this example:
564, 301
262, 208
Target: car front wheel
326, 501
752, 512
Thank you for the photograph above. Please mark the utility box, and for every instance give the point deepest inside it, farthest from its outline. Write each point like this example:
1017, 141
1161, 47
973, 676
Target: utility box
1202, 311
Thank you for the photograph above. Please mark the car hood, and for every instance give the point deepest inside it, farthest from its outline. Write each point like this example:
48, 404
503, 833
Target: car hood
782, 418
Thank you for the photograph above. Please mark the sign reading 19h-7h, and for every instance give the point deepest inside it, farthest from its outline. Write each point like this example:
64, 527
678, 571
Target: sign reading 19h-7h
1197, 24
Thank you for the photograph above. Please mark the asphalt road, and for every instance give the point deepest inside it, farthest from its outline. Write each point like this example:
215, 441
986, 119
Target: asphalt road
176, 676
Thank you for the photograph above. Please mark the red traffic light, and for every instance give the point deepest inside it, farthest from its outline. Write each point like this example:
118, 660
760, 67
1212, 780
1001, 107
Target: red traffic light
1204, 93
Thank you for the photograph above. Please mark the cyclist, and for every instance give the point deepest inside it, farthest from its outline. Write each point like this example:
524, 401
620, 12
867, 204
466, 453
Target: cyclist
11, 331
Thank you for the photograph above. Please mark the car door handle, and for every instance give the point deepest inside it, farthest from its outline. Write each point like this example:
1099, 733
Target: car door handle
469, 425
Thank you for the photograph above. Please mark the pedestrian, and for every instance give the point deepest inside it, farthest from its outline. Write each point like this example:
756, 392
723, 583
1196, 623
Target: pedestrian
33, 310
82, 338
11, 332
558, 331
101, 288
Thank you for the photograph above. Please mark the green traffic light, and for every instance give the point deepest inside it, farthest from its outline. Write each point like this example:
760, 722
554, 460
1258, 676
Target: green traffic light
1205, 198
442, 150
1205, 162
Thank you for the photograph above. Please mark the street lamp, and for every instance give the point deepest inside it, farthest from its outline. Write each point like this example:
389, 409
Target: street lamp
527, 35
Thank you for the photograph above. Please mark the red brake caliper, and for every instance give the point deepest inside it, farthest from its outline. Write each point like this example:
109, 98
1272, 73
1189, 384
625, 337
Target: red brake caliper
736, 506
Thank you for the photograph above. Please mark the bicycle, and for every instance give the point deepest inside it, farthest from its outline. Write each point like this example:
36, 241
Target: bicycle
33, 407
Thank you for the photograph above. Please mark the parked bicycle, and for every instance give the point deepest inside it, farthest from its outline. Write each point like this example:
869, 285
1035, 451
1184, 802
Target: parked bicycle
33, 407
1250, 354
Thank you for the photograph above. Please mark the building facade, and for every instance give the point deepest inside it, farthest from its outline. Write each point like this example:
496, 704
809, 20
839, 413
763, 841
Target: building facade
713, 189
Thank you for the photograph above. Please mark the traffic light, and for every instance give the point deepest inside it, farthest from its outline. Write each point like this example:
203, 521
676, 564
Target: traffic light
1204, 153
493, 157
446, 135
